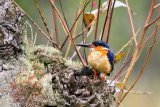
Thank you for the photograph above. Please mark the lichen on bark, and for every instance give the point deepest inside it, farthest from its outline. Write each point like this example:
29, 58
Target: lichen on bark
10, 48
10, 29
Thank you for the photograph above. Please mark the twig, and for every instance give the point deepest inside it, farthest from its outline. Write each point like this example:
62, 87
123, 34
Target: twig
85, 29
75, 29
156, 6
56, 29
95, 35
109, 2
153, 21
125, 61
127, 43
86, 35
108, 21
117, 77
132, 26
45, 24
63, 14
143, 44
68, 32
128, 50
34, 23
148, 39
135, 55
142, 66
75, 22
81, 42
120, 76
127, 55
139, 53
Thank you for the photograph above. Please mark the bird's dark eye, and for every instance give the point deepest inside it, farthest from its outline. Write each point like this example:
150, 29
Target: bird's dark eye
96, 44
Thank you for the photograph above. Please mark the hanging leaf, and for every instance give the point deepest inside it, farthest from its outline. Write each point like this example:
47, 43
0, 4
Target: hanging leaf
118, 57
91, 18
119, 84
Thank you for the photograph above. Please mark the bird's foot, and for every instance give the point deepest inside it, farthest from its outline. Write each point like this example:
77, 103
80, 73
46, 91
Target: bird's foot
95, 73
103, 77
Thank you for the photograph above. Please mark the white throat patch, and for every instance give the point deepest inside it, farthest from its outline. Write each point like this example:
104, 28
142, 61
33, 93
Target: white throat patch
105, 48
92, 49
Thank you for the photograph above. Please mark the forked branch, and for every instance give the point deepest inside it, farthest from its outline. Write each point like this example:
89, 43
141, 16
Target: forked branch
135, 55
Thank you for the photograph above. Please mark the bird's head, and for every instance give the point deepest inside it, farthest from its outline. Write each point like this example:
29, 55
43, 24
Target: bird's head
99, 45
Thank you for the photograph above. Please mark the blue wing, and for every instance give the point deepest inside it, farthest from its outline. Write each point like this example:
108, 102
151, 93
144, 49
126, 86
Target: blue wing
111, 56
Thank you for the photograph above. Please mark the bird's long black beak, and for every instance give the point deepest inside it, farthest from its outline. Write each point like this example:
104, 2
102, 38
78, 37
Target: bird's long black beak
84, 45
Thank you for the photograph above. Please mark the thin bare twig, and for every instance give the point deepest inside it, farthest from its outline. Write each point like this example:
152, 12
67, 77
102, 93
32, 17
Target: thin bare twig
108, 21
135, 55
95, 35
130, 17
142, 66
127, 43
75, 29
56, 29
117, 75
81, 42
86, 35
34, 23
85, 29
156, 6
153, 21
148, 39
68, 32
75, 22
45, 24
125, 61
63, 13
109, 2
140, 53
127, 55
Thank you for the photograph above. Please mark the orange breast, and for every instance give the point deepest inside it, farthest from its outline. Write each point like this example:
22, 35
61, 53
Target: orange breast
99, 61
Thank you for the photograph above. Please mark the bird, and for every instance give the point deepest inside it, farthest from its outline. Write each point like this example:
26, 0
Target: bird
100, 57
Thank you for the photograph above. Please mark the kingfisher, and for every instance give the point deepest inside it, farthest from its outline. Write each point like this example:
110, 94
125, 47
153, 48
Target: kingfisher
100, 57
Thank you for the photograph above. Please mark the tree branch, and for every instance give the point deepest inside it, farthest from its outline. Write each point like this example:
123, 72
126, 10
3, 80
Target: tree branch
135, 55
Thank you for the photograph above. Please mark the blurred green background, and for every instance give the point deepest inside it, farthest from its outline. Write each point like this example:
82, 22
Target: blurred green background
120, 34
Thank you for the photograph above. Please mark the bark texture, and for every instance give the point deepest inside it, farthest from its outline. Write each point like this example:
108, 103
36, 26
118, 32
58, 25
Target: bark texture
10, 47
10, 29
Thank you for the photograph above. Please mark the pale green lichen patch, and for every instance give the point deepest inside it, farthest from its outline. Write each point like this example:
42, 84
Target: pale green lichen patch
74, 64
47, 50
